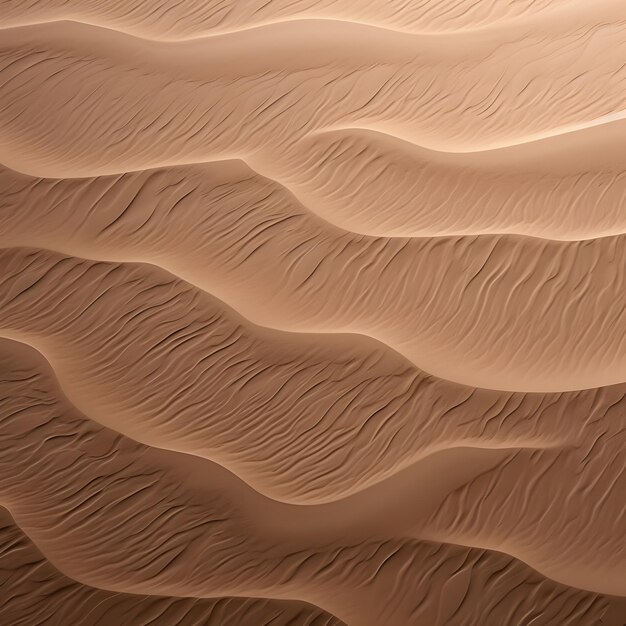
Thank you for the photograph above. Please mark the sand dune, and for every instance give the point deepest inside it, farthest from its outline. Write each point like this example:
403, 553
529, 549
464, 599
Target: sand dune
335, 411
264, 90
35, 592
192, 18
312, 313
567, 187
128, 518
474, 310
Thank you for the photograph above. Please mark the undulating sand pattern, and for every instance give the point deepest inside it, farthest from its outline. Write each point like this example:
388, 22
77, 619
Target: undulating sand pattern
313, 312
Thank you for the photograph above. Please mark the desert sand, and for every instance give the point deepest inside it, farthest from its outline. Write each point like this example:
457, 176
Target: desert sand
313, 313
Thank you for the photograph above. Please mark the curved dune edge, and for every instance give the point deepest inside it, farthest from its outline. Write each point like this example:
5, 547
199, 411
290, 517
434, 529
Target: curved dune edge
155, 68
53, 261
27, 563
559, 11
32, 388
61, 598
301, 205
427, 350
325, 215
317, 20
568, 187
531, 147
581, 563
114, 400
34, 589
494, 149
355, 334
598, 135
411, 466
601, 157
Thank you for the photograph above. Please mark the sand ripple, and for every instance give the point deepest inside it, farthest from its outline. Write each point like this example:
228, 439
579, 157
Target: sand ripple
312, 313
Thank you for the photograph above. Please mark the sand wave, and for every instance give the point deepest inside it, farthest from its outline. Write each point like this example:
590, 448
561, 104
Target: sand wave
245, 240
312, 304
190, 20
565, 187
314, 385
446, 148
36, 591
219, 513
448, 97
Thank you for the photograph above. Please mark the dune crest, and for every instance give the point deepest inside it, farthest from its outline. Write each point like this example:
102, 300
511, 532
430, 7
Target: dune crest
128, 518
193, 19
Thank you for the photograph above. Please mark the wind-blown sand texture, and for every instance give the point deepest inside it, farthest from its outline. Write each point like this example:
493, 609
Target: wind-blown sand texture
312, 312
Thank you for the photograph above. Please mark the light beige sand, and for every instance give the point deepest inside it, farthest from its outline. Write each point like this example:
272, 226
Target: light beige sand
313, 313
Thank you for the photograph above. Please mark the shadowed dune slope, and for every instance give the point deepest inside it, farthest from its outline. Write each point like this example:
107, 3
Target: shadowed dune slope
35, 592
312, 313
124, 517
172, 367
192, 18
485, 311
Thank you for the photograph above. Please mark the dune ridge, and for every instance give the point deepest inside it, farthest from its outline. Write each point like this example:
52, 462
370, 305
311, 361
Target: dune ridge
246, 241
108, 460
191, 20
38, 593
312, 313
447, 96
249, 374
566, 187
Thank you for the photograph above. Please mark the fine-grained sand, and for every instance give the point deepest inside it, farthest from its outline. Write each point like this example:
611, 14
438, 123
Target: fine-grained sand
312, 313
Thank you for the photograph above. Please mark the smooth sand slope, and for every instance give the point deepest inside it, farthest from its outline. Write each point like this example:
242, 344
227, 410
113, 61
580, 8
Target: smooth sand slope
313, 313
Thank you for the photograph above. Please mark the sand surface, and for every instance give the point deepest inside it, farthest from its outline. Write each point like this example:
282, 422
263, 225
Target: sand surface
312, 313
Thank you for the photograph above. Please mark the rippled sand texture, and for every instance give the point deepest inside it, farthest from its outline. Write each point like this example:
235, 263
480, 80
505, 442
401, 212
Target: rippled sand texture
312, 312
